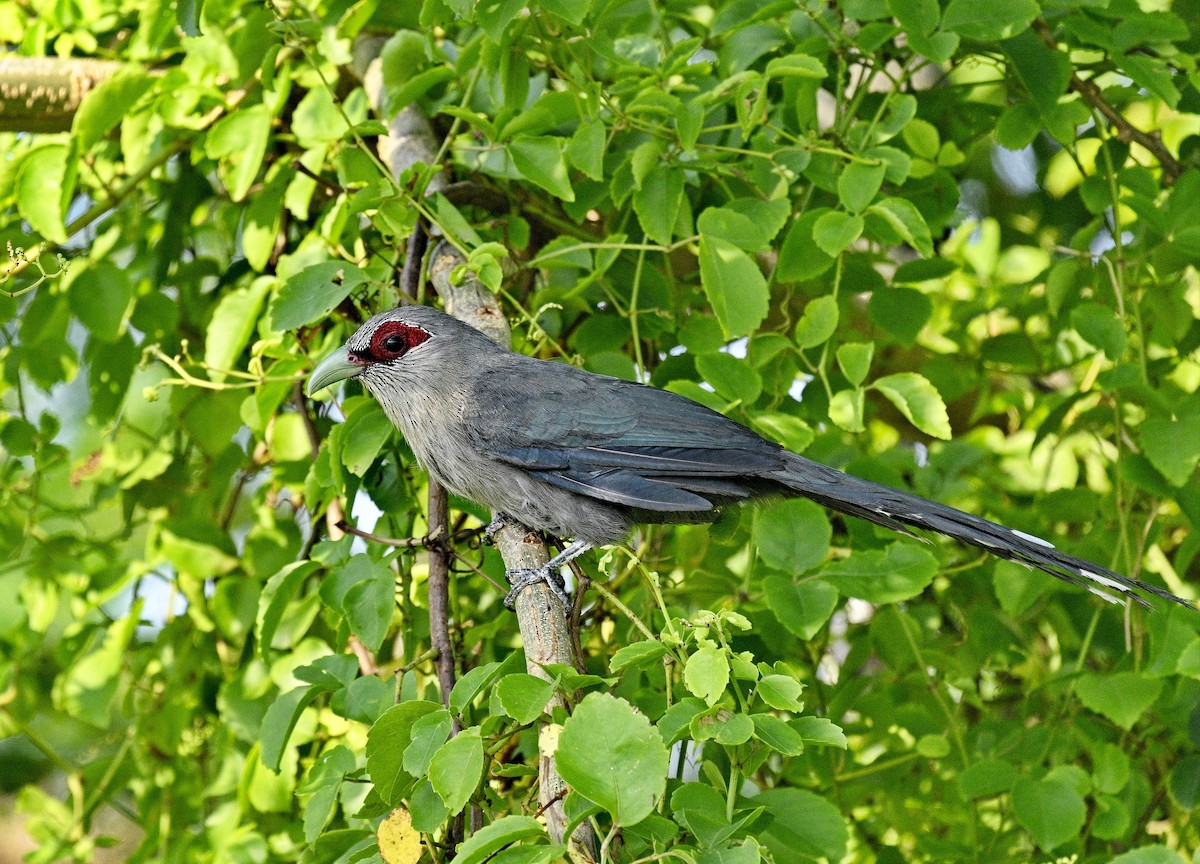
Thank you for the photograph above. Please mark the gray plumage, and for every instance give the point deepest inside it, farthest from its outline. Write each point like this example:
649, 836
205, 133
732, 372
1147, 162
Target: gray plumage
581, 455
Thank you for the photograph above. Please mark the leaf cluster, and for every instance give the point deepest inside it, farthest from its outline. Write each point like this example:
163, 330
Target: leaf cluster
951, 246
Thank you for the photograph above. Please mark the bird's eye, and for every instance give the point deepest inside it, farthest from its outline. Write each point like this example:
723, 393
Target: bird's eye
394, 339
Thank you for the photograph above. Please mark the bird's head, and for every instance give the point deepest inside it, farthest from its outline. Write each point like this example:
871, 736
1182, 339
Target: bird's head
404, 344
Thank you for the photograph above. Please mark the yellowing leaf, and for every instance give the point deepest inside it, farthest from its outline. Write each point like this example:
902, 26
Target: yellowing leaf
399, 842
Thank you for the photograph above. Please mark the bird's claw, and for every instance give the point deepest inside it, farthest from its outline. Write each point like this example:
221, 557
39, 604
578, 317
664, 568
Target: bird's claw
499, 521
523, 577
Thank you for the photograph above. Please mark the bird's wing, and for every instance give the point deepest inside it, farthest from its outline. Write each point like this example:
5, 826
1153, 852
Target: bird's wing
615, 440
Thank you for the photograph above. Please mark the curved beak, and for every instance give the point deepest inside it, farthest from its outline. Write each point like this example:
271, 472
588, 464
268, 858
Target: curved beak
336, 367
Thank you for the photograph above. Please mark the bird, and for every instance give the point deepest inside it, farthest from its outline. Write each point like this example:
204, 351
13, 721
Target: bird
579, 455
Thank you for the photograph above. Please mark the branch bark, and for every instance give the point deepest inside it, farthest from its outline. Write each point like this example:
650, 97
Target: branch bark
42, 94
545, 629
1091, 93
542, 619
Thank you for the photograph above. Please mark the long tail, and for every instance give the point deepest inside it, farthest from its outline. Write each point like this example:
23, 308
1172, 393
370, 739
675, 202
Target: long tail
900, 511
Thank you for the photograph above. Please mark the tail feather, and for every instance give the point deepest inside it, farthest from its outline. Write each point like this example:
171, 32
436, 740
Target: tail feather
900, 511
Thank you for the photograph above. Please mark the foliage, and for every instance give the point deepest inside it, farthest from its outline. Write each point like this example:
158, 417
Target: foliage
950, 246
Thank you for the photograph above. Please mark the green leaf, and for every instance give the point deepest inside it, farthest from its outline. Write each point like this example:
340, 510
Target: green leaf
777, 735
471, 684
748, 223
1110, 768
916, 16
986, 778
1154, 74
540, 160
358, 440
238, 142
1148, 855
859, 184
801, 258
900, 572
818, 323
796, 66
674, 725
657, 203
1101, 327
585, 149
1122, 697
429, 732
854, 359
805, 826
280, 720
918, 400
313, 293
1051, 811
317, 120
1184, 785
734, 285
639, 655
1018, 126
44, 187
276, 594
906, 220
781, 692
731, 377
88, 688
490, 839
707, 674
523, 696
933, 746
1111, 818
457, 768
701, 809
428, 812
495, 15
788, 430
836, 230
1172, 446
792, 536
386, 743
903, 312
370, 601
322, 786
264, 216
987, 21
100, 298
846, 409
801, 608
820, 730
725, 727
573, 11
105, 107
609, 754
231, 325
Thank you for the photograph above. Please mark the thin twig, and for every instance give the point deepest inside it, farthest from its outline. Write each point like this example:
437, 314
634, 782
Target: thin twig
439, 589
328, 185
1126, 131
428, 541
410, 276
558, 796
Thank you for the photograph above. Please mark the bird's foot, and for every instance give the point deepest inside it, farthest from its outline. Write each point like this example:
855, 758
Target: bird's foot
499, 521
523, 577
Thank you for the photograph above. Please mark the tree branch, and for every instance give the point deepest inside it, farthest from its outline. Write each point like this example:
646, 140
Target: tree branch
42, 94
540, 615
1091, 93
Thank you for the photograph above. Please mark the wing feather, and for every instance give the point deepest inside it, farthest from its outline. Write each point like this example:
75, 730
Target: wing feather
615, 440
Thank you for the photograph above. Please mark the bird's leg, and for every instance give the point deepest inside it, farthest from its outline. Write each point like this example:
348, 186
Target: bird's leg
548, 573
499, 520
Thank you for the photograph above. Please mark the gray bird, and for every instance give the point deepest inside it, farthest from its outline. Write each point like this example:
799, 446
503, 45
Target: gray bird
586, 456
